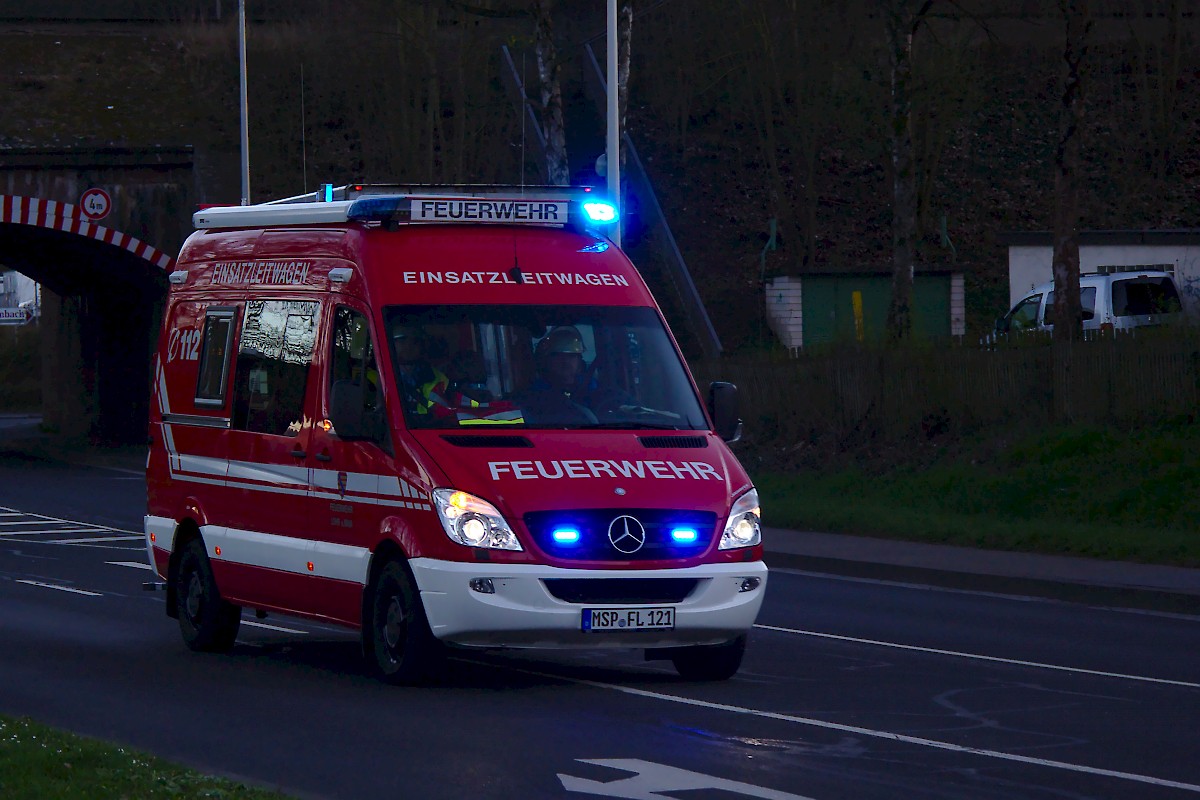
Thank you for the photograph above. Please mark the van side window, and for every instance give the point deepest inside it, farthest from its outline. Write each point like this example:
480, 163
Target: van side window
214, 357
1087, 303
278, 337
1141, 296
352, 361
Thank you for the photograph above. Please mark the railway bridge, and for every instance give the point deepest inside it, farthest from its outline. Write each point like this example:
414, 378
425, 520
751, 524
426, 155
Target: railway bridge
98, 229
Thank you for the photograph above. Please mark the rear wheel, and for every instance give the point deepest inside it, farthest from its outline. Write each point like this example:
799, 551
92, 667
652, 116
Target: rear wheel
398, 642
717, 662
207, 622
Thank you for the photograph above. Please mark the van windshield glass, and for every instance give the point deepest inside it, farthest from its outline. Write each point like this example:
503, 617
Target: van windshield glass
560, 367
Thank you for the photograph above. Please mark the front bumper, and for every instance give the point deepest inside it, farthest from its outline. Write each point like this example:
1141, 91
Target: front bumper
523, 613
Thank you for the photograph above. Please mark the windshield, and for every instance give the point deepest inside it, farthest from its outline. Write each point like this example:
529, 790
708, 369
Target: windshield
569, 367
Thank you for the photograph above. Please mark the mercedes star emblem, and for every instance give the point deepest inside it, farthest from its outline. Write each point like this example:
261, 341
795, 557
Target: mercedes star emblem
626, 534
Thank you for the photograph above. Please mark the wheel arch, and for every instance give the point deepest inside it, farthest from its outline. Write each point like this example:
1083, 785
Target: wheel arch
187, 530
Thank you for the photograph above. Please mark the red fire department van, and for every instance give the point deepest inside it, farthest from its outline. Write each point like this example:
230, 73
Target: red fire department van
445, 416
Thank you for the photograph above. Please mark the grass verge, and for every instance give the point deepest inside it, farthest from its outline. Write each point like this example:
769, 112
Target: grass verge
41, 763
1122, 495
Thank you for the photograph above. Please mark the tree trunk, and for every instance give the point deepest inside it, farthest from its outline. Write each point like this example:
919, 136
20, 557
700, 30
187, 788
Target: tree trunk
1068, 316
624, 42
902, 24
558, 172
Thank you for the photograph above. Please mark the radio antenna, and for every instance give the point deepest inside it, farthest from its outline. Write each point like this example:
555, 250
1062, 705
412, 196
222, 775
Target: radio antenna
303, 144
524, 113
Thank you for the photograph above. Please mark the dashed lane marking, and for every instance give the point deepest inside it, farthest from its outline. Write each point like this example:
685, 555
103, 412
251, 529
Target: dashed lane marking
93, 539
130, 564
279, 628
42, 526
59, 588
50, 531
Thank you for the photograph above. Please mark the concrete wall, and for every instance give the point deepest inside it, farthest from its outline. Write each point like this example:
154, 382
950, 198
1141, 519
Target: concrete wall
785, 310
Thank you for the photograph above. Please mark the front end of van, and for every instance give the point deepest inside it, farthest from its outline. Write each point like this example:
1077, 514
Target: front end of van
654, 542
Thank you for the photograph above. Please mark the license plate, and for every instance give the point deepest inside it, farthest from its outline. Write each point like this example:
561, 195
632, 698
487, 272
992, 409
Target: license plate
628, 619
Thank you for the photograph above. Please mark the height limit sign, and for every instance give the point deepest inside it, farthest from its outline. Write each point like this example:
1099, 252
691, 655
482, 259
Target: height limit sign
95, 204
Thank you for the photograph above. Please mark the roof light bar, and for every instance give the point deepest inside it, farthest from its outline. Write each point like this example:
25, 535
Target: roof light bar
555, 206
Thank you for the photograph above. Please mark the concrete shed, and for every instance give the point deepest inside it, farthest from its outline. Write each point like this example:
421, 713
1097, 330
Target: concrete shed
818, 308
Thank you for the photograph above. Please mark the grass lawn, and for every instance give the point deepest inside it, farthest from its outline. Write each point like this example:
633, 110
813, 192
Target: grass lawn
41, 763
1108, 494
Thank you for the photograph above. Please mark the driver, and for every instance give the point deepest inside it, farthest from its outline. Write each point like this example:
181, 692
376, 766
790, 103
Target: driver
557, 395
559, 358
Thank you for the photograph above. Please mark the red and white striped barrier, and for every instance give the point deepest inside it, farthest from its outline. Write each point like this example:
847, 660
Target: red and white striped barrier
69, 219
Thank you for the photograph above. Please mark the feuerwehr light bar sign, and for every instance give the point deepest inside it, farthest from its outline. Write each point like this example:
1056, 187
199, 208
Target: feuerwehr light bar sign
471, 209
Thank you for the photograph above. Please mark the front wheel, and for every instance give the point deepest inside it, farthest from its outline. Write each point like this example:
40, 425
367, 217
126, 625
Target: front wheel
208, 623
717, 662
398, 641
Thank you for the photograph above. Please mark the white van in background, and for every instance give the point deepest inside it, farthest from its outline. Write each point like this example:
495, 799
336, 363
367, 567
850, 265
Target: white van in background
1111, 300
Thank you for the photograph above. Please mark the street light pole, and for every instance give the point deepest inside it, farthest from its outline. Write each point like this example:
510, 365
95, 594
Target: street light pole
244, 104
613, 149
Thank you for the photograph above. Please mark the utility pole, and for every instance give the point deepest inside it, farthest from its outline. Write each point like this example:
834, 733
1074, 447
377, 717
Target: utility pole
613, 149
245, 110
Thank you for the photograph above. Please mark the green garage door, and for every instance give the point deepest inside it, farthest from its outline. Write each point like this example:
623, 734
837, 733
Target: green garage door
854, 307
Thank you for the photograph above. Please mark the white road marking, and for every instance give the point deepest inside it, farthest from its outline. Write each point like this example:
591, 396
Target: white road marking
25, 521
130, 564
280, 628
93, 539
53, 530
650, 780
979, 657
59, 588
876, 734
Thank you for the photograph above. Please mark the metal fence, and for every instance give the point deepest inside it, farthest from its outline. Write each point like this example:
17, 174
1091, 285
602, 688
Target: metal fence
850, 395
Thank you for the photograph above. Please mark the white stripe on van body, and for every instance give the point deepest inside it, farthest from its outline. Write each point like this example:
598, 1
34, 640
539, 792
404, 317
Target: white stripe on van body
163, 529
287, 553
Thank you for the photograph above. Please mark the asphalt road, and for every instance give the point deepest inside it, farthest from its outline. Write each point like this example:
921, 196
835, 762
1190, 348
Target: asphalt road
851, 688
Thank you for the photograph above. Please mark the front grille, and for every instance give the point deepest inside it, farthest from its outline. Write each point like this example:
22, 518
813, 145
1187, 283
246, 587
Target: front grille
621, 590
594, 543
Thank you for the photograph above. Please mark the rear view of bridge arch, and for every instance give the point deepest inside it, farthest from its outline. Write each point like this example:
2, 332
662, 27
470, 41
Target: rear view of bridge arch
103, 281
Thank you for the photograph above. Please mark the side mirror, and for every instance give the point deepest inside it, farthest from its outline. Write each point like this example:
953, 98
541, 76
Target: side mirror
1002, 325
723, 408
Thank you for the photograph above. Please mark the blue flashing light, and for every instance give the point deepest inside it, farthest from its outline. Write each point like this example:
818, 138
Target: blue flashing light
684, 535
367, 208
600, 211
565, 535
327, 192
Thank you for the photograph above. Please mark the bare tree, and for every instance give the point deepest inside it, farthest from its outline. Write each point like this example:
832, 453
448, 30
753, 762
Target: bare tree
558, 171
1068, 315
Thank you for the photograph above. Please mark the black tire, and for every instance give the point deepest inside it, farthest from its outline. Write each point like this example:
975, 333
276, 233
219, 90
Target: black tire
207, 622
397, 640
718, 662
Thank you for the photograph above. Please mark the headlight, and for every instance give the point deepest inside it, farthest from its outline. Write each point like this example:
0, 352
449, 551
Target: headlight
742, 528
473, 522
